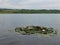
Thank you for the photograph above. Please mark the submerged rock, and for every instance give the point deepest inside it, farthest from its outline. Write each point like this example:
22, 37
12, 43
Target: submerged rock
34, 30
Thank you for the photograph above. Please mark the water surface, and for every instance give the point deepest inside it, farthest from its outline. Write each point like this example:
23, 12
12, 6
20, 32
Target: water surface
10, 21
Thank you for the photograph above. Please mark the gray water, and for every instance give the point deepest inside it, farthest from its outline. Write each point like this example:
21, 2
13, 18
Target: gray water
10, 21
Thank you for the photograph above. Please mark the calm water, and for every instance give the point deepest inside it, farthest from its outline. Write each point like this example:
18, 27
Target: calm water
10, 21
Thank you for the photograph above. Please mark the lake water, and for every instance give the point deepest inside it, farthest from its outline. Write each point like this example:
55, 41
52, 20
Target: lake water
10, 21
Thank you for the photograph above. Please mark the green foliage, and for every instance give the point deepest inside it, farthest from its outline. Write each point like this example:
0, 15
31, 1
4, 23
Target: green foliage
28, 11
35, 29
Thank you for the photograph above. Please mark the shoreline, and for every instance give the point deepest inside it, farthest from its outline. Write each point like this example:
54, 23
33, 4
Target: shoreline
29, 11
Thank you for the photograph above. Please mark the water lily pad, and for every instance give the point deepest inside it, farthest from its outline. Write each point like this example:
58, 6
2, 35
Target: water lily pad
28, 30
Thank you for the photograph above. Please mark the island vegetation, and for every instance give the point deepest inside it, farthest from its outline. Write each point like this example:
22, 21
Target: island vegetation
29, 11
28, 30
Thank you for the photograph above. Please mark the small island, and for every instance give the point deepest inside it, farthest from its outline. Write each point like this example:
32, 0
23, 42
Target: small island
28, 30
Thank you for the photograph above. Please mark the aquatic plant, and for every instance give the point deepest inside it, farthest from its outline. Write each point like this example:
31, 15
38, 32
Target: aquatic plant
28, 30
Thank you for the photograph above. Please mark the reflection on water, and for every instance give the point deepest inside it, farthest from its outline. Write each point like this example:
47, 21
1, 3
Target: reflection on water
9, 21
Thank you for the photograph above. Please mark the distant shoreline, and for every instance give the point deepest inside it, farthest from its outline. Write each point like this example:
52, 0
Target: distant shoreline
28, 11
